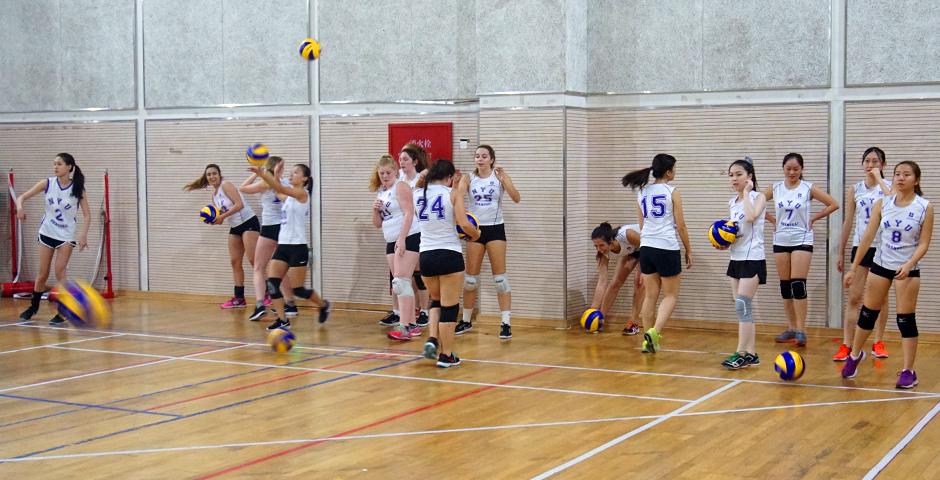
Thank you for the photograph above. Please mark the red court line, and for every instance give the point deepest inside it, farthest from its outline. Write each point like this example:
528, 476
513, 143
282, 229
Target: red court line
245, 387
376, 423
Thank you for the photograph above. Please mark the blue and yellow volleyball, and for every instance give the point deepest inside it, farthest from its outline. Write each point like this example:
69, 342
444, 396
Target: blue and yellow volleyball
208, 213
592, 320
257, 154
310, 49
789, 366
281, 340
472, 219
82, 305
722, 234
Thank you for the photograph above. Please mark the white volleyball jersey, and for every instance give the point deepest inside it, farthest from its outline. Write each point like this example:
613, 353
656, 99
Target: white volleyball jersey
626, 248
294, 222
486, 199
411, 183
393, 216
900, 231
865, 198
792, 208
435, 214
749, 244
225, 204
271, 205
61, 211
659, 224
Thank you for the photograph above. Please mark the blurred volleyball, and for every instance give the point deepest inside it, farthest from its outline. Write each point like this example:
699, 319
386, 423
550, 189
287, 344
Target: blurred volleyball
281, 340
82, 305
257, 154
473, 220
789, 365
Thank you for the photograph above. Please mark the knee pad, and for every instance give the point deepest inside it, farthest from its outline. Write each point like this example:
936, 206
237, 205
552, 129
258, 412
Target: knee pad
434, 304
302, 292
742, 305
419, 282
502, 284
785, 290
470, 282
799, 288
907, 324
402, 287
867, 318
449, 314
274, 288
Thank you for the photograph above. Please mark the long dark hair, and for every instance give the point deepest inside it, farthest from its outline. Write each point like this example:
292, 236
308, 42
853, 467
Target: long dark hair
78, 178
916, 168
202, 182
441, 169
662, 163
418, 154
308, 183
748, 167
605, 232
881, 156
793, 156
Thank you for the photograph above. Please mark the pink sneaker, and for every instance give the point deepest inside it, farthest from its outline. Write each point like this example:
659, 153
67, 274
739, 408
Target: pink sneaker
414, 330
233, 302
399, 333
267, 300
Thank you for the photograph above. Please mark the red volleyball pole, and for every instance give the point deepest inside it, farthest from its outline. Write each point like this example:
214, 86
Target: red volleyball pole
109, 292
14, 286
13, 227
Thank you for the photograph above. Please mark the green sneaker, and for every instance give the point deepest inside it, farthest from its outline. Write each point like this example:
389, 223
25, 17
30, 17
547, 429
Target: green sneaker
752, 359
735, 362
651, 341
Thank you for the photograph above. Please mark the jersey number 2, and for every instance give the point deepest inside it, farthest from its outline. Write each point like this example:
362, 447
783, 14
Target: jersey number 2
437, 205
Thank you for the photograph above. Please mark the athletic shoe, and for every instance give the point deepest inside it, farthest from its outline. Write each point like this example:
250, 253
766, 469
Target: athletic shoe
786, 337
800, 338
842, 354
267, 300
28, 313
850, 369
908, 379
259, 313
462, 327
651, 341
505, 331
447, 361
735, 362
430, 348
752, 359
399, 333
422, 320
57, 321
631, 329
878, 350
390, 320
234, 302
285, 324
324, 312
290, 310
415, 330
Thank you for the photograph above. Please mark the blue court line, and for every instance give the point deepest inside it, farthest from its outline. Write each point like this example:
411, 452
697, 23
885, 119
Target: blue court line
87, 405
216, 409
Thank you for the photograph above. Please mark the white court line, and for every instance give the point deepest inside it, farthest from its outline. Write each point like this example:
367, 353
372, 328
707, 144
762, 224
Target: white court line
636, 431
538, 365
426, 432
902, 443
60, 343
92, 374
12, 324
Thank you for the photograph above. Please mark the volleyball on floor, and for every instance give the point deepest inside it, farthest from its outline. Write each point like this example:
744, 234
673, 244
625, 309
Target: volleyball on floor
310, 49
592, 320
473, 220
281, 340
208, 213
82, 305
257, 154
722, 233
789, 365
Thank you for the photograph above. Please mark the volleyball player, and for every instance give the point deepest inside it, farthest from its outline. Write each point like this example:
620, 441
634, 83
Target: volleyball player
623, 245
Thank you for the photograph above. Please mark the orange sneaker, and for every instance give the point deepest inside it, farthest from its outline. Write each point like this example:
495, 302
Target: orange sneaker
842, 354
878, 350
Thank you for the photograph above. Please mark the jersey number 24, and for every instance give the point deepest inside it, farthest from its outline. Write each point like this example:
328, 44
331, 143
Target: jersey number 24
437, 206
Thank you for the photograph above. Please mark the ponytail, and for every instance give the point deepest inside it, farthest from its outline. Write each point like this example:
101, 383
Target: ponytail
78, 178
202, 182
662, 164
441, 169
308, 182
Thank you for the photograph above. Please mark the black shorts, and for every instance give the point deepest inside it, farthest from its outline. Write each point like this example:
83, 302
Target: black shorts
295, 255
55, 243
635, 255
889, 274
412, 244
440, 262
867, 260
795, 248
748, 269
250, 225
667, 263
271, 231
489, 233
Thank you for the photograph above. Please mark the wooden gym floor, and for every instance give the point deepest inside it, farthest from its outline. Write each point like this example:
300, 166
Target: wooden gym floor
180, 389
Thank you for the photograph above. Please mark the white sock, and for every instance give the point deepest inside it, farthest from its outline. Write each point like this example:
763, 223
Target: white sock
396, 312
505, 315
424, 311
467, 314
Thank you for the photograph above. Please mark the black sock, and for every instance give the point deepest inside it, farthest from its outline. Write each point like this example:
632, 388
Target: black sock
34, 302
434, 341
240, 291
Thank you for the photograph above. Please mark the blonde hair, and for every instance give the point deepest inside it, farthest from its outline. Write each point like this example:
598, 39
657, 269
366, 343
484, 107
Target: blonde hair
272, 162
384, 161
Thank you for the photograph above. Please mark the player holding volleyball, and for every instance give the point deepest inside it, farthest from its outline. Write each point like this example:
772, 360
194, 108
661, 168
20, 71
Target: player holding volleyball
64, 195
662, 224
621, 244
905, 219
488, 183
244, 231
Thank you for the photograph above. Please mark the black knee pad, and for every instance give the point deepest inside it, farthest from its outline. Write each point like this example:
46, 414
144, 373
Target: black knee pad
907, 324
786, 291
303, 292
419, 282
434, 304
274, 288
798, 285
449, 314
867, 318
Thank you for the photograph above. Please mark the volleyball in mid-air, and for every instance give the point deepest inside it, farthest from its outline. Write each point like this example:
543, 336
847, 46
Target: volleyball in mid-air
310, 49
257, 154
